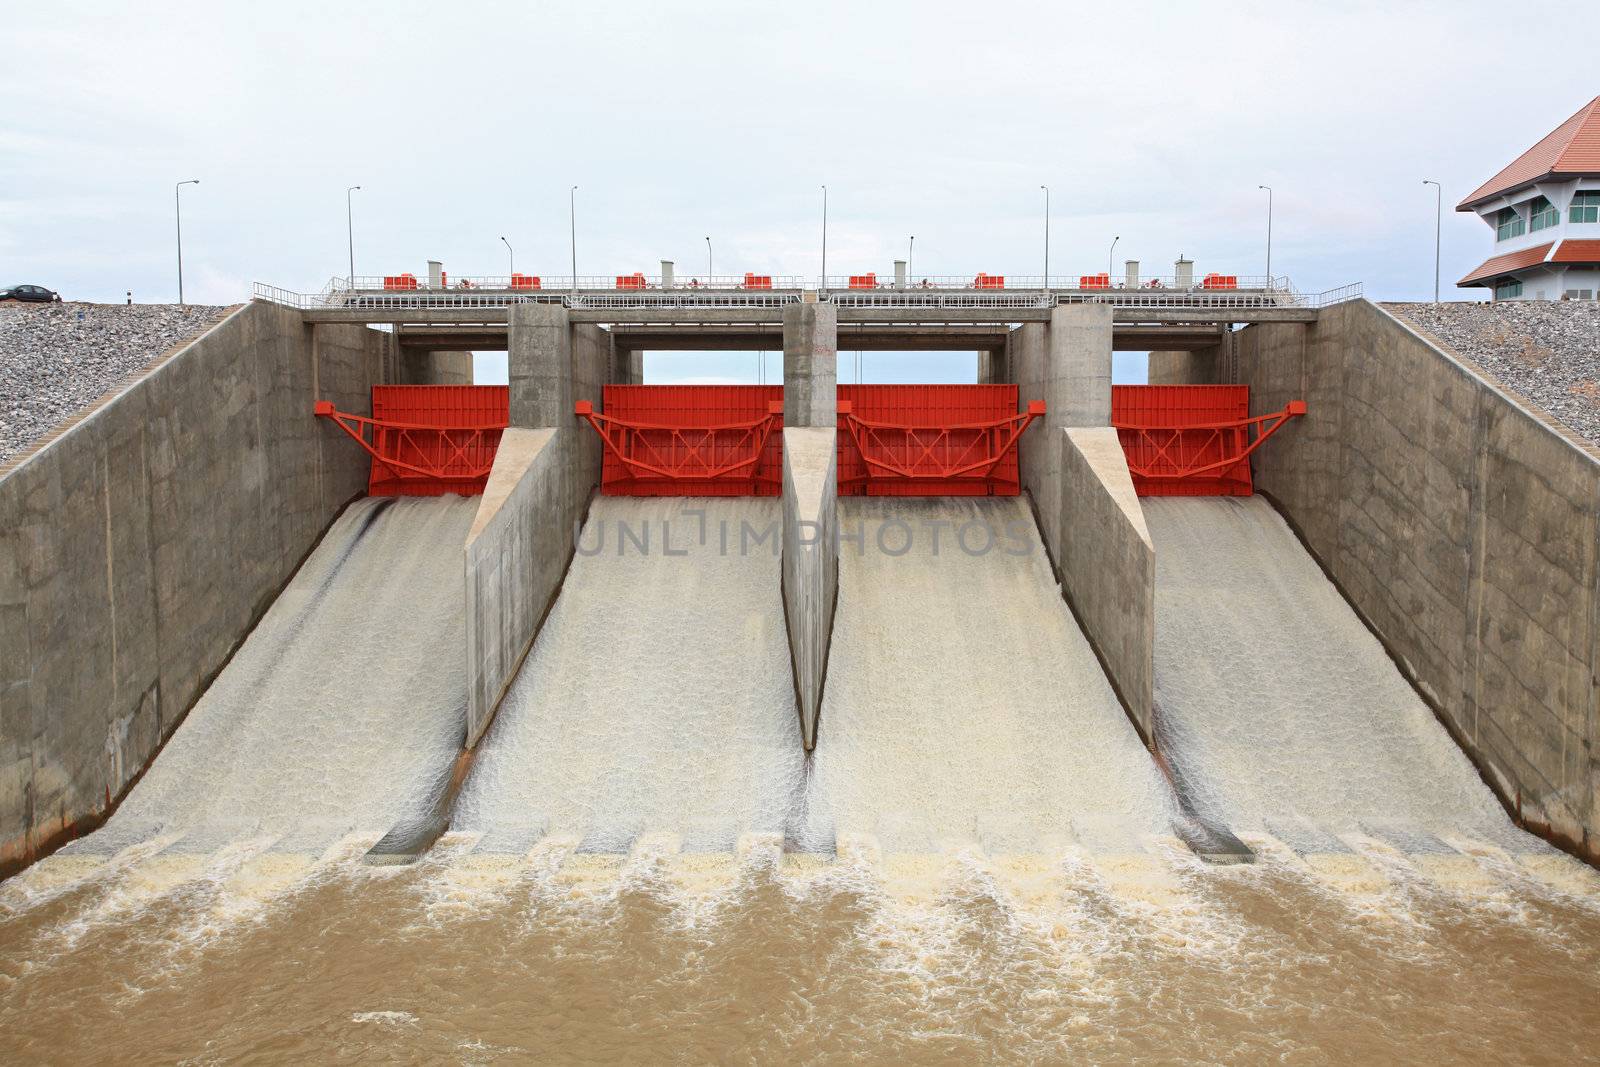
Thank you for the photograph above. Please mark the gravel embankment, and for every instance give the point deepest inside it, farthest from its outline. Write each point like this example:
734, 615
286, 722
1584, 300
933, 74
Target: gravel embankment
1548, 352
56, 359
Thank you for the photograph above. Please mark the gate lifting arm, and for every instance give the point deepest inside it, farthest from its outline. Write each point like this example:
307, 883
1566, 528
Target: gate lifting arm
1195, 450
950, 450
417, 458
667, 452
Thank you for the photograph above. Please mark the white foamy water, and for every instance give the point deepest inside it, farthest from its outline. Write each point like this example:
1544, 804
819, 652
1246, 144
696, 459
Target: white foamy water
962, 700
1274, 700
658, 696
346, 704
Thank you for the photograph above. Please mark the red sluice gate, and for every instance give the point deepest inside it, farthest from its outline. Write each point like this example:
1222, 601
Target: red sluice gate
930, 440
689, 440
1192, 440
726, 440
428, 440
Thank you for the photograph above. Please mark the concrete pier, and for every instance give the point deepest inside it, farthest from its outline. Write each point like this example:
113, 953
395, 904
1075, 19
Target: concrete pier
1107, 565
810, 562
516, 555
545, 473
810, 365
1075, 472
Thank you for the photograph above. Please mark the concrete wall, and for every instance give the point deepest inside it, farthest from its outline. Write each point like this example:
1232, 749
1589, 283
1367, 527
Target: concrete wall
551, 364
810, 365
810, 562
517, 554
435, 368
1183, 368
1067, 364
138, 549
1463, 529
1107, 564
1077, 475
545, 473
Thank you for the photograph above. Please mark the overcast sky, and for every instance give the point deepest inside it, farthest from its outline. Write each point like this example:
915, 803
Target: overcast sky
678, 120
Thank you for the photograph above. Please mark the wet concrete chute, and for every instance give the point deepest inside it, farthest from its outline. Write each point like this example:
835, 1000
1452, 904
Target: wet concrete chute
1032, 745
688, 727
322, 716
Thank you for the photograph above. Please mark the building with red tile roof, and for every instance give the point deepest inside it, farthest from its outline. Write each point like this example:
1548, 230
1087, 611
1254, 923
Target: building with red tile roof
1544, 209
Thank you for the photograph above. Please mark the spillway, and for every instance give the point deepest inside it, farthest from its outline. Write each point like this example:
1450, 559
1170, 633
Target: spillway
1274, 701
657, 697
346, 703
962, 700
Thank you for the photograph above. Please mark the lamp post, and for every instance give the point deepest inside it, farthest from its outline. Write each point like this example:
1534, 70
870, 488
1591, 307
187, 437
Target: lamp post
177, 206
1046, 284
572, 218
1268, 188
911, 250
1438, 216
350, 232
1110, 255
824, 238
708, 261
512, 253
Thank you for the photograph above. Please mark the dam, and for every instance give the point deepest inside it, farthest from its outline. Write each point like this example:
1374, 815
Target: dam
380, 714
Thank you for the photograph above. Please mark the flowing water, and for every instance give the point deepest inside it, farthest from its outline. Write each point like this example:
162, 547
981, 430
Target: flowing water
975, 865
658, 697
1276, 704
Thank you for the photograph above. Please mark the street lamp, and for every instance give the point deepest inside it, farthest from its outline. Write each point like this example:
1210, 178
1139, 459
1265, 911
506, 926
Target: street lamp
1268, 188
350, 232
1046, 189
178, 213
708, 261
572, 218
1110, 255
512, 253
824, 238
911, 251
1438, 216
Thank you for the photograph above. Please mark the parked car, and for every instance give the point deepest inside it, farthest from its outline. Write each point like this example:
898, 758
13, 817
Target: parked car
36, 294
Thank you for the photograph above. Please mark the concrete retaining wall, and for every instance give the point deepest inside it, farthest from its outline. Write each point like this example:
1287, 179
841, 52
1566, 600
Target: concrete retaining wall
138, 549
1107, 564
810, 562
1463, 529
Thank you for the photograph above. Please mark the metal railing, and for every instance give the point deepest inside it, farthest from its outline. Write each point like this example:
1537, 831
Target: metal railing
340, 294
681, 298
537, 283
941, 298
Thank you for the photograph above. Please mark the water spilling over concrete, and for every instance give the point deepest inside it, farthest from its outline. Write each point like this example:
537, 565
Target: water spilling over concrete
346, 701
658, 697
962, 700
1275, 702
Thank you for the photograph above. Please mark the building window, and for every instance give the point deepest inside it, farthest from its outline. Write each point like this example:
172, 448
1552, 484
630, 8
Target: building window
1585, 207
1507, 289
1507, 223
1543, 213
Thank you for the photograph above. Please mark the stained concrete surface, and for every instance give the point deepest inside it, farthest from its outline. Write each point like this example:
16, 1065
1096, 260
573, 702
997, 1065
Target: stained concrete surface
137, 549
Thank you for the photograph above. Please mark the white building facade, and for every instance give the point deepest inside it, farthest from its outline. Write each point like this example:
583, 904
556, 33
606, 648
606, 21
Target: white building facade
1544, 212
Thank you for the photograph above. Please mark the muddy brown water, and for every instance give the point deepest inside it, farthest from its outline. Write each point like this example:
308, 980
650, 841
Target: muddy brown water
949, 958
